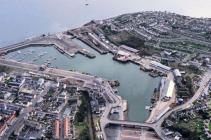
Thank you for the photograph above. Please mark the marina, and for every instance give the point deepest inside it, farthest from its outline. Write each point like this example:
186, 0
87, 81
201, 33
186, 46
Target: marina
134, 84
105, 70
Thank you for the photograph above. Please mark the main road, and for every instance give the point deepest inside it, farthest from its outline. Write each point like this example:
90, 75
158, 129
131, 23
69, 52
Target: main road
157, 126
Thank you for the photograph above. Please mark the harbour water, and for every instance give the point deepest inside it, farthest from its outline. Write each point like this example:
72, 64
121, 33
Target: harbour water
135, 86
23, 19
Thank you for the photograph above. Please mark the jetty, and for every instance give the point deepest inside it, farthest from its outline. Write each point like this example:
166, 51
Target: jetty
63, 45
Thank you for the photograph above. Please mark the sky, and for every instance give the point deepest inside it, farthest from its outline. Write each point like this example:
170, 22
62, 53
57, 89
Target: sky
25, 18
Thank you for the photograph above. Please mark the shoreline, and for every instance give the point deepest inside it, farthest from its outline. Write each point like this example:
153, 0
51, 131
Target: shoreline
126, 110
130, 61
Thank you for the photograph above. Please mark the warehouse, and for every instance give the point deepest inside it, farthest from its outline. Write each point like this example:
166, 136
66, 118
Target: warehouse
124, 47
168, 89
159, 66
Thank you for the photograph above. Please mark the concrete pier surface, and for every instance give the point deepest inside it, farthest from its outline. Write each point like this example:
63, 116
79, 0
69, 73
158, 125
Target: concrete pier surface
62, 44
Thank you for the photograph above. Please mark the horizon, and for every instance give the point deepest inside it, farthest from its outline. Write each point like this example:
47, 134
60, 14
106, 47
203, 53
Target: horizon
36, 17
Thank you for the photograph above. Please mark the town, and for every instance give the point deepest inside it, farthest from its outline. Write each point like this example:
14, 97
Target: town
41, 101
33, 106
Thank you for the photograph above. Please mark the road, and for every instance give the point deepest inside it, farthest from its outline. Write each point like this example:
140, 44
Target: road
48, 71
157, 125
73, 75
203, 84
115, 100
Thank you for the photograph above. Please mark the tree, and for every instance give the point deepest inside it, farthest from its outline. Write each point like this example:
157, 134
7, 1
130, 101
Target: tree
85, 134
83, 108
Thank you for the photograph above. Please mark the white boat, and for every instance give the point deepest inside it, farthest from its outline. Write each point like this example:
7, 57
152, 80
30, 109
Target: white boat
147, 107
72, 54
124, 102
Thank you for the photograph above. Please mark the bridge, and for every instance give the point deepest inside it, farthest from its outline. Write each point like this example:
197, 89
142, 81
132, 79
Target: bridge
154, 126
157, 126
132, 124
105, 121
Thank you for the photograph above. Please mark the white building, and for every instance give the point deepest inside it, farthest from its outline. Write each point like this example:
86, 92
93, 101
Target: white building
159, 66
128, 49
122, 53
1, 78
40, 82
177, 73
168, 89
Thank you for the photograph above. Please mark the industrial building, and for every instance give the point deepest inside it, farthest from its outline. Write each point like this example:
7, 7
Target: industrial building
122, 53
177, 77
124, 47
122, 56
160, 66
168, 89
